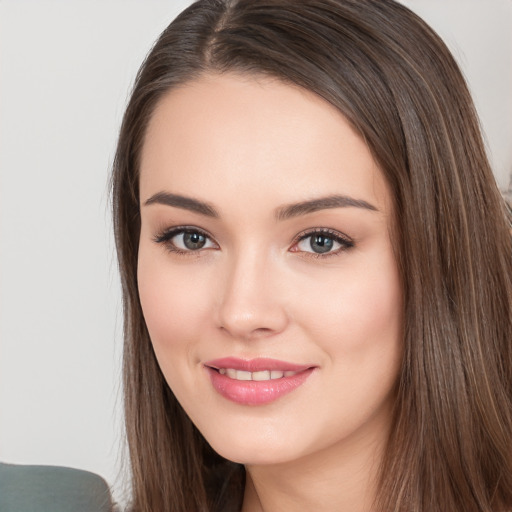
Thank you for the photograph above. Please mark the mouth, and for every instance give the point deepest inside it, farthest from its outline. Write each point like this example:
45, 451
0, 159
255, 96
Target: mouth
256, 381
262, 375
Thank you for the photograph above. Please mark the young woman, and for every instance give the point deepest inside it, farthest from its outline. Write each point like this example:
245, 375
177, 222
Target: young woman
316, 267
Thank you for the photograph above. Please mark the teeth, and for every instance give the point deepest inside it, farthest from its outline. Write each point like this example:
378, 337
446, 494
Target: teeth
264, 375
258, 376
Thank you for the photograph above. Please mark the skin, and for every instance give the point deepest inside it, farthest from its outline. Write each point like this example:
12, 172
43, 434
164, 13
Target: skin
248, 146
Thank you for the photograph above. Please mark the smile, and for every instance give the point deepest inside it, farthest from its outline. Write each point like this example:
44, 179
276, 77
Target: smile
256, 381
259, 376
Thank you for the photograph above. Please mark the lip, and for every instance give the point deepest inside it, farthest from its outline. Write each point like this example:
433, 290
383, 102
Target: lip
256, 392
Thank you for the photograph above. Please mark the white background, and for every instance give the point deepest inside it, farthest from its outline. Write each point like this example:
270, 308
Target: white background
66, 68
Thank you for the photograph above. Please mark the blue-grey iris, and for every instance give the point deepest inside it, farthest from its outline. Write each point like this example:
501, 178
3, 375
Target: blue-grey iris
321, 243
194, 241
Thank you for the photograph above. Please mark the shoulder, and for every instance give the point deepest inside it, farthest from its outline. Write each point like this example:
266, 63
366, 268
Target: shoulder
52, 489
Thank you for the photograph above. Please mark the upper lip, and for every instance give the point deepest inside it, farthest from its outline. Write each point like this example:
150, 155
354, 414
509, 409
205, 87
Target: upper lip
256, 365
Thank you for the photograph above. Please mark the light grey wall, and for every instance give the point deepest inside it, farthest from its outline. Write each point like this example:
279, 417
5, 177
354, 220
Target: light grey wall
479, 34
65, 71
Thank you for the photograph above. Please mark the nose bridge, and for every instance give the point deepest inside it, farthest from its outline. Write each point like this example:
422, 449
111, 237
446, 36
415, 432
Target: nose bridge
249, 305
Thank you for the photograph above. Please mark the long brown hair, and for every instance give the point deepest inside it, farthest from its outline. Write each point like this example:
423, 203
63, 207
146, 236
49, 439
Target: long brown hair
395, 81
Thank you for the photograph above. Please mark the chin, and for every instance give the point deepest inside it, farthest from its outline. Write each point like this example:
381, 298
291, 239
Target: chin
253, 456
262, 447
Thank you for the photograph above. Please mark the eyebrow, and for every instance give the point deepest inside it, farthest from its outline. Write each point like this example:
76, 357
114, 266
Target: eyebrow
322, 203
282, 213
186, 203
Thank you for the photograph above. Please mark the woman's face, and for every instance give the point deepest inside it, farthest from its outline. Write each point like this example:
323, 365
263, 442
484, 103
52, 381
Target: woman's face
266, 270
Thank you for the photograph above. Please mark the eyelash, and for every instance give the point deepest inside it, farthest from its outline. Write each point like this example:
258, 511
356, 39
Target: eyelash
166, 238
345, 242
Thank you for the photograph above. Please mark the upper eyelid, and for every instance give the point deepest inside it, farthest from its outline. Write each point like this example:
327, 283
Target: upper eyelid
167, 233
325, 231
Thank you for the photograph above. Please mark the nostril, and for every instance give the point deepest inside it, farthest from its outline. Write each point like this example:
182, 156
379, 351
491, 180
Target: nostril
248, 334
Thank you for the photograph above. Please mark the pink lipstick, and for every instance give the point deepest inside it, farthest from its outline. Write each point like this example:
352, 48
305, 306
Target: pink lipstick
255, 381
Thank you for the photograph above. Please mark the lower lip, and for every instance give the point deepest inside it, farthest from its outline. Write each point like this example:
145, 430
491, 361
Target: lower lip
252, 392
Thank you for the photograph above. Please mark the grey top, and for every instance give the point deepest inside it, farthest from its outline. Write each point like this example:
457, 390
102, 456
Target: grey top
52, 489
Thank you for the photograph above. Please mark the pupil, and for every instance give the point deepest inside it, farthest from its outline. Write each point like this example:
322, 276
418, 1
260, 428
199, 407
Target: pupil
321, 243
194, 240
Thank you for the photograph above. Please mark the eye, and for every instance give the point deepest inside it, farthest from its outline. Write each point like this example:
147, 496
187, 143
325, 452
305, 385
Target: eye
322, 243
186, 240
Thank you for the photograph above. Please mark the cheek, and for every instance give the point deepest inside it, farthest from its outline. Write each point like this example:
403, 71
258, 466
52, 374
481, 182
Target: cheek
359, 313
173, 302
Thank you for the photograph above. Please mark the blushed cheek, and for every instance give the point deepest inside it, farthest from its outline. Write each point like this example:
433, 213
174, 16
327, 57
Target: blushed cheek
356, 315
172, 307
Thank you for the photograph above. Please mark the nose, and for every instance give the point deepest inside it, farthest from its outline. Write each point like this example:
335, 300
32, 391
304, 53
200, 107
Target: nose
250, 304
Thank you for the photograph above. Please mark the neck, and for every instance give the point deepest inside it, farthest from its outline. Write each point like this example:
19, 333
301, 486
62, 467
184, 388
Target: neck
342, 478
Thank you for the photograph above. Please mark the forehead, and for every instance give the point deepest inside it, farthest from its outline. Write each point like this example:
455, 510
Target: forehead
228, 134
